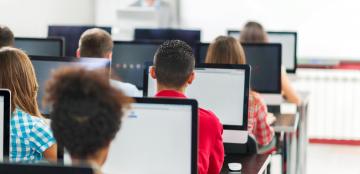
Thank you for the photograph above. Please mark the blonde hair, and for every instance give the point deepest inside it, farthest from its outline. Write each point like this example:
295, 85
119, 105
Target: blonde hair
253, 32
17, 74
225, 50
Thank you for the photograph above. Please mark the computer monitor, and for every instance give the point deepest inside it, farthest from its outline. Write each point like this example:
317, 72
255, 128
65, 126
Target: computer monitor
265, 60
41, 46
223, 89
44, 66
192, 37
72, 35
5, 112
18, 168
288, 42
156, 136
130, 59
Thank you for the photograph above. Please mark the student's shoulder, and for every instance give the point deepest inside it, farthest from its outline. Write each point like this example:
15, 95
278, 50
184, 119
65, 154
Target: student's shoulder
208, 117
256, 99
26, 121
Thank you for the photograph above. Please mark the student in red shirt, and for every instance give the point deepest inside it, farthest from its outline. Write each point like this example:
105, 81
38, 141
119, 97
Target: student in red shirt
173, 68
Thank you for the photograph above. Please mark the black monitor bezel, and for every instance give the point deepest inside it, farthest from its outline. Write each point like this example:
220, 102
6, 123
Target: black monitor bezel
169, 101
247, 69
54, 39
198, 33
43, 169
293, 70
65, 59
279, 47
277, 91
7, 114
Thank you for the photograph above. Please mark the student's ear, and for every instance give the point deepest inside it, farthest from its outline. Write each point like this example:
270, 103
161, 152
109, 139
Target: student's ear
152, 72
78, 53
191, 78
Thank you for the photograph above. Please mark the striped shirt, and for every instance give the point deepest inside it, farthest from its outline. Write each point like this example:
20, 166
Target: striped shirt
29, 137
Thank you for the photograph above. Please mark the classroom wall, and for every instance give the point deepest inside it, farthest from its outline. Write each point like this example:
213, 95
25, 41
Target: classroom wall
31, 18
327, 29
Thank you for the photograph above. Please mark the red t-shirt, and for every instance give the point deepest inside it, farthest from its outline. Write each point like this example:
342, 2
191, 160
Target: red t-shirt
210, 148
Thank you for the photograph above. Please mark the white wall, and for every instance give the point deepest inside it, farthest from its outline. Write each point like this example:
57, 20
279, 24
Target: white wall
105, 10
31, 17
328, 29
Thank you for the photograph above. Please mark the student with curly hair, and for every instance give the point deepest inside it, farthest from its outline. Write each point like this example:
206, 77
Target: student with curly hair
86, 113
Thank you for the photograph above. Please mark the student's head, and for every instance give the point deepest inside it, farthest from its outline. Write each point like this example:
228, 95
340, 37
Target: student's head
174, 64
225, 50
86, 112
95, 42
6, 37
17, 74
253, 32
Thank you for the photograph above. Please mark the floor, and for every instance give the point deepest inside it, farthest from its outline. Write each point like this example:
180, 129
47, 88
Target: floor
333, 159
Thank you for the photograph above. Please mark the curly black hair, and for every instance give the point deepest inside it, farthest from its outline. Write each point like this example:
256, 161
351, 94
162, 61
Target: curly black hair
86, 111
174, 62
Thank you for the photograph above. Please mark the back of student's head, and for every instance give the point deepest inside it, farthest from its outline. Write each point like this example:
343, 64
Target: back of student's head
6, 37
174, 62
253, 32
18, 75
86, 111
225, 50
95, 42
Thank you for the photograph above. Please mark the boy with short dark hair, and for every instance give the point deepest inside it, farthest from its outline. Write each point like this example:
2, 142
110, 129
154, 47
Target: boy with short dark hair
173, 68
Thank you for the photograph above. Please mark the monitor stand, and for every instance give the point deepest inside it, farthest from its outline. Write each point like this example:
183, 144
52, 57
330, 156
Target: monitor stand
272, 99
235, 136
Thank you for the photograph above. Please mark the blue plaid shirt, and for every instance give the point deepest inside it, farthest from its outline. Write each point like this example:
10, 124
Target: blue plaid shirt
30, 137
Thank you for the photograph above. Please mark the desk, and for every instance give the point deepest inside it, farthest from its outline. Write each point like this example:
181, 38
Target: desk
251, 164
302, 133
293, 127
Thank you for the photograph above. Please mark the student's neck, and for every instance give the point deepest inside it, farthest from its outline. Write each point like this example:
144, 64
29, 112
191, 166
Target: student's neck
93, 162
162, 88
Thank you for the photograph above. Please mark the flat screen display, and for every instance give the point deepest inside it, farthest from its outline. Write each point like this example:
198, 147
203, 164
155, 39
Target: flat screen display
130, 59
223, 91
41, 46
44, 66
288, 41
265, 62
72, 36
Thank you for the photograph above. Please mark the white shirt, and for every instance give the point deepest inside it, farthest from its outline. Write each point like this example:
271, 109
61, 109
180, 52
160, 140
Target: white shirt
128, 88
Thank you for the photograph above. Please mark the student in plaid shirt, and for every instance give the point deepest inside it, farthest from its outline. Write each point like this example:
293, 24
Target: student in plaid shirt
31, 139
227, 50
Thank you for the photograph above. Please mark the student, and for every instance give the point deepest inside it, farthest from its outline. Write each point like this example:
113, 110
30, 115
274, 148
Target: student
254, 32
31, 139
86, 113
6, 37
98, 43
227, 50
173, 68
